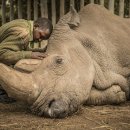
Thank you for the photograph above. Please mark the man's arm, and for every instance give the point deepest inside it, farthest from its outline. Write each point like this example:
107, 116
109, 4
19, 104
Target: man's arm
11, 57
38, 46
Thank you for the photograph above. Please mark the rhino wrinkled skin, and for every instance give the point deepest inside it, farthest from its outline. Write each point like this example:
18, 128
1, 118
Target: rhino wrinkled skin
88, 63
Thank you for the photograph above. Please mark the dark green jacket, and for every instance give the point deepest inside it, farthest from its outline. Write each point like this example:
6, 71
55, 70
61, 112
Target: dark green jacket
15, 39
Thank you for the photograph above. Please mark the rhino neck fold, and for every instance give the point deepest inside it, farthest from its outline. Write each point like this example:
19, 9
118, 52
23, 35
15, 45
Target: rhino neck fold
18, 85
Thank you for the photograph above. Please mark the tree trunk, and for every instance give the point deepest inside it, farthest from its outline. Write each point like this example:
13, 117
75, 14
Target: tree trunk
111, 5
35, 9
53, 12
19, 9
121, 8
81, 4
3, 7
62, 9
28, 9
102, 2
44, 9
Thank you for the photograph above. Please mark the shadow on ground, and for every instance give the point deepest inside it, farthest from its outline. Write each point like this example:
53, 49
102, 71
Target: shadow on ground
16, 116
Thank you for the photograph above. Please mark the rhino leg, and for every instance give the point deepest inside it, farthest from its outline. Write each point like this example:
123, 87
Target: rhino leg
112, 95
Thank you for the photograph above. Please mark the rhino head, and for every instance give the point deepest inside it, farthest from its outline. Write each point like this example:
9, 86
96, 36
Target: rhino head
61, 82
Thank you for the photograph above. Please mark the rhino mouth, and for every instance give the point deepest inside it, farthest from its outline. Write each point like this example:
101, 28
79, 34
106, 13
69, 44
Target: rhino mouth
55, 106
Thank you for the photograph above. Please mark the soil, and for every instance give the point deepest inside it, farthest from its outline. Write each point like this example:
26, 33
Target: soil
16, 116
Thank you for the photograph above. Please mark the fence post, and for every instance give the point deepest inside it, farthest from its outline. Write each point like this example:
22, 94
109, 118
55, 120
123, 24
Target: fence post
28, 9
111, 5
3, 7
35, 9
19, 9
11, 10
53, 6
121, 8
92, 1
81, 4
72, 2
129, 8
44, 9
62, 7
102, 2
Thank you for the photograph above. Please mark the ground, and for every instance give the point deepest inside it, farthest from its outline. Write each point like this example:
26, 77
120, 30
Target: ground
16, 116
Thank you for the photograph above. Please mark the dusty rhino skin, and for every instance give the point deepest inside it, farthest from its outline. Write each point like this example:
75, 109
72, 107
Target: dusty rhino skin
88, 63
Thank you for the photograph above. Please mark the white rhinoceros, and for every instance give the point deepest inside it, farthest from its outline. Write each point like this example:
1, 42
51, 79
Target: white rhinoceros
88, 63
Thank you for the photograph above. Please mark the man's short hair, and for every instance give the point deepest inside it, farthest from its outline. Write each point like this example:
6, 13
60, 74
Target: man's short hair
44, 23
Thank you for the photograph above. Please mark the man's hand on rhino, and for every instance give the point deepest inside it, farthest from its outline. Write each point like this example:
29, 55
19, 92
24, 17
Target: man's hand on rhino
38, 55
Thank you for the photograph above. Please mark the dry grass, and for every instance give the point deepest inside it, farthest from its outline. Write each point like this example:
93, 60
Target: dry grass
17, 117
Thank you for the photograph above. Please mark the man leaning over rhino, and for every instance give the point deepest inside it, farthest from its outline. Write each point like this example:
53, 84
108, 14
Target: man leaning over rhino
88, 63
17, 41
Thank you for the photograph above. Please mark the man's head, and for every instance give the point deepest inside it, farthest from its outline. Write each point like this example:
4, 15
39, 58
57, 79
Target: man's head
42, 29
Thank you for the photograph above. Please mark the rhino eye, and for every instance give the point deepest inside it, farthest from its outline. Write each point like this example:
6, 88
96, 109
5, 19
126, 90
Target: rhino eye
59, 60
59, 66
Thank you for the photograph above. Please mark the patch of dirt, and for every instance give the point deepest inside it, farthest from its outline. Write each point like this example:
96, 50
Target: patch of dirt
16, 116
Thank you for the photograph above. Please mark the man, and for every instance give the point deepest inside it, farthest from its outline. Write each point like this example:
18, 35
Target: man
17, 35
16, 39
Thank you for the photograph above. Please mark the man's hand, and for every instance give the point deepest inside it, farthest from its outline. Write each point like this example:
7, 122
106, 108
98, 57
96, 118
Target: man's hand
38, 55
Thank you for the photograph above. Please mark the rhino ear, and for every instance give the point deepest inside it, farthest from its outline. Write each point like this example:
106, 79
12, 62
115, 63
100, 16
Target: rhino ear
74, 18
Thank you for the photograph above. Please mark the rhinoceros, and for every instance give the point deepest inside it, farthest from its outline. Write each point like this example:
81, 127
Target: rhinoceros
88, 63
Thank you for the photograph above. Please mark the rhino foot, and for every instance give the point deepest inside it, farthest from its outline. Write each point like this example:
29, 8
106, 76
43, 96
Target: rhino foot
112, 95
116, 95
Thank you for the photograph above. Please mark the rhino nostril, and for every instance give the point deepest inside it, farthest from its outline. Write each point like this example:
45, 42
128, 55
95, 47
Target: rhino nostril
59, 60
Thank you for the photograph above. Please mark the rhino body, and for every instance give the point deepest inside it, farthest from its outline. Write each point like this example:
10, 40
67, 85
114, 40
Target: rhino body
88, 63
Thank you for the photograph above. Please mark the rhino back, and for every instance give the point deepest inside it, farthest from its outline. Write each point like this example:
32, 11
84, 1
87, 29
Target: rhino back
109, 33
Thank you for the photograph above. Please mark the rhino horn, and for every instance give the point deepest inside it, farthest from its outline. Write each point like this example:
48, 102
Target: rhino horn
17, 84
